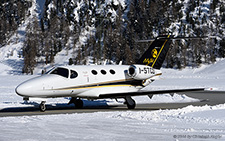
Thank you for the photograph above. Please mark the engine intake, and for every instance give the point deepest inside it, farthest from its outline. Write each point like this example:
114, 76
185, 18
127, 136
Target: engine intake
140, 72
132, 70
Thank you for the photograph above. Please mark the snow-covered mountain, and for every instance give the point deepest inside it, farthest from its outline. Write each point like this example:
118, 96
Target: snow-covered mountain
52, 32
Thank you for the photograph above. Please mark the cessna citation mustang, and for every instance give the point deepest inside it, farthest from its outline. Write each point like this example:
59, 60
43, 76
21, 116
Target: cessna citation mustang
102, 81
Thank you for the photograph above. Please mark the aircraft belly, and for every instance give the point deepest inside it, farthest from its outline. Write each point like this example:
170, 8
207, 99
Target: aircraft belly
50, 93
59, 93
95, 92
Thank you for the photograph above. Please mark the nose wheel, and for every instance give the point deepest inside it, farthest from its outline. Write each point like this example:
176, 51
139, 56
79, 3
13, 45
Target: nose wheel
42, 106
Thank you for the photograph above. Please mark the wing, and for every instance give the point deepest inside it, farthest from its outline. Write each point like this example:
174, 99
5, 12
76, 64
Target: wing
139, 93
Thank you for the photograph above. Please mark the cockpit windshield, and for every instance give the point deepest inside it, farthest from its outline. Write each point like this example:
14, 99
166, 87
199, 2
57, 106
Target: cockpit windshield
61, 71
50, 70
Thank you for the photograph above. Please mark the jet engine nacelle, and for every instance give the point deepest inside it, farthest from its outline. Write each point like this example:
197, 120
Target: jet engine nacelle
140, 72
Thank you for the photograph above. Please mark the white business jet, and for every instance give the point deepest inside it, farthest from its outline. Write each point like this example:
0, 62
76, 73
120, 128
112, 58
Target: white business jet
102, 81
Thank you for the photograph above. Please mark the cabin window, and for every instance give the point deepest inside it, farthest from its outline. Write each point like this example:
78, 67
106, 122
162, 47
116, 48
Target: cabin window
94, 72
61, 71
73, 74
103, 72
112, 71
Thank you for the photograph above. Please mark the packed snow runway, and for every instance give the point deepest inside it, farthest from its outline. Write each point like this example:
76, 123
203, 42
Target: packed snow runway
188, 123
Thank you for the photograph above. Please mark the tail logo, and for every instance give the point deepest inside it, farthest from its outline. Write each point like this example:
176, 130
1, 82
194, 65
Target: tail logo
154, 53
147, 61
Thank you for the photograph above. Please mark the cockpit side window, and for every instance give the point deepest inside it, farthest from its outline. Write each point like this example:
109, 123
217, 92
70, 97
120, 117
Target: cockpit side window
73, 74
61, 71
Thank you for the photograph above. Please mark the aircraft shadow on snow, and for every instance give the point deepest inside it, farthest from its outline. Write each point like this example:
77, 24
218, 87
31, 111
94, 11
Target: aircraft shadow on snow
34, 106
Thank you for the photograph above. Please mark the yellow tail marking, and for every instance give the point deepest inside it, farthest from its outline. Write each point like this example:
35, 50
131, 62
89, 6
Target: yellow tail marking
160, 52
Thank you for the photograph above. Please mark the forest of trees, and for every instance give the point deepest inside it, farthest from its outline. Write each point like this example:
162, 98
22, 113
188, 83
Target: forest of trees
113, 36
12, 14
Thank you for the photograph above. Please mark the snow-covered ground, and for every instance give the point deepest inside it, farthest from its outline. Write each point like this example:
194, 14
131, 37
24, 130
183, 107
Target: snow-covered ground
189, 123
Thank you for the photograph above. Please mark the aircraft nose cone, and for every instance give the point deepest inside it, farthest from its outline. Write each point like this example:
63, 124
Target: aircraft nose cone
23, 89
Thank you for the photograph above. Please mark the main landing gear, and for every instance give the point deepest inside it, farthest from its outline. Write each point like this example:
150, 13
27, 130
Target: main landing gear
42, 106
77, 102
130, 102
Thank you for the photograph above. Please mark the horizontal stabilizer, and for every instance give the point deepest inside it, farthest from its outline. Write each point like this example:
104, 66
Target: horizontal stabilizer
171, 38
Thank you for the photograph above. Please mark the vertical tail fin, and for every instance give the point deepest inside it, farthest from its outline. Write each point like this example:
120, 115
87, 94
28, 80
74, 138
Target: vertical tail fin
156, 53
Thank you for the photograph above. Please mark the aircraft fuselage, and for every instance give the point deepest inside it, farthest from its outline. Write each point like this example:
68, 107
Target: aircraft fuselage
80, 81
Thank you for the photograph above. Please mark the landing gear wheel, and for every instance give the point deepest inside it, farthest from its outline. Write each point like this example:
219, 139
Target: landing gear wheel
79, 103
42, 106
130, 102
131, 106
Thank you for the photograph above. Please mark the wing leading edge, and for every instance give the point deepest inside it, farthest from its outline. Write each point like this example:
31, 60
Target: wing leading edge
140, 93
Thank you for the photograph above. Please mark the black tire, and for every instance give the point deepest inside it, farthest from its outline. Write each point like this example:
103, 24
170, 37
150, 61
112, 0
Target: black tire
131, 106
42, 107
79, 104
